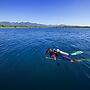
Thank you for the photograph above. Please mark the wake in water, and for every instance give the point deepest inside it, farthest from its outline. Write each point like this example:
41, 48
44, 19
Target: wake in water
86, 63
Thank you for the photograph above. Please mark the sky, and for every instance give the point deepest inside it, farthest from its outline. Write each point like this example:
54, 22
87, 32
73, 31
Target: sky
55, 12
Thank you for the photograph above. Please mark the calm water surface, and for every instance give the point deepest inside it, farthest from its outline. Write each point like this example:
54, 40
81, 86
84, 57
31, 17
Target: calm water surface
23, 65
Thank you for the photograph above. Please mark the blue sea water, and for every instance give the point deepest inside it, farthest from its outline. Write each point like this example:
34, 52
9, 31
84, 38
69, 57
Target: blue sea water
23, 65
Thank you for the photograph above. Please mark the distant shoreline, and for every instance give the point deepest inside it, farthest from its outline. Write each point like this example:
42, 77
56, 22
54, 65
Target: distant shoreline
44, 26
36, 25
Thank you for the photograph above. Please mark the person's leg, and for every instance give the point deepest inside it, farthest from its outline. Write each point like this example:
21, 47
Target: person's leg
67, 58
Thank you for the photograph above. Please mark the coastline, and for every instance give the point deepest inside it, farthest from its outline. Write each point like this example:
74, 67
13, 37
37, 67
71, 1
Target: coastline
44, 26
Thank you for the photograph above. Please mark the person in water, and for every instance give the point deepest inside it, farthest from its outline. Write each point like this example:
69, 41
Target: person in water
52, 53
57, 54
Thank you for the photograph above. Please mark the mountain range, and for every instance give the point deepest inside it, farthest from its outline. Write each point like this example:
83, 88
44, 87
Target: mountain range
36, 25
20, 24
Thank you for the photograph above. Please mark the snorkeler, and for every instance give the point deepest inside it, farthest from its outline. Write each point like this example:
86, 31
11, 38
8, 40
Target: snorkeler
55, 54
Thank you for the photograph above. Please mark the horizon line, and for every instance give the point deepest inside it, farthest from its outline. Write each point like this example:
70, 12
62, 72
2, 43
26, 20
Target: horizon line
44, 23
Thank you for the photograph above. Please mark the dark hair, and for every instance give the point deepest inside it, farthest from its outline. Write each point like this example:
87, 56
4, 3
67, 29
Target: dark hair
49, 48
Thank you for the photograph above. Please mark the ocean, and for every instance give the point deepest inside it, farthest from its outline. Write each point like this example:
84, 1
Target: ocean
23, 65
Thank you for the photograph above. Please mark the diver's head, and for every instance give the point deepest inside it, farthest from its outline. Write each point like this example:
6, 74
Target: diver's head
49, 49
